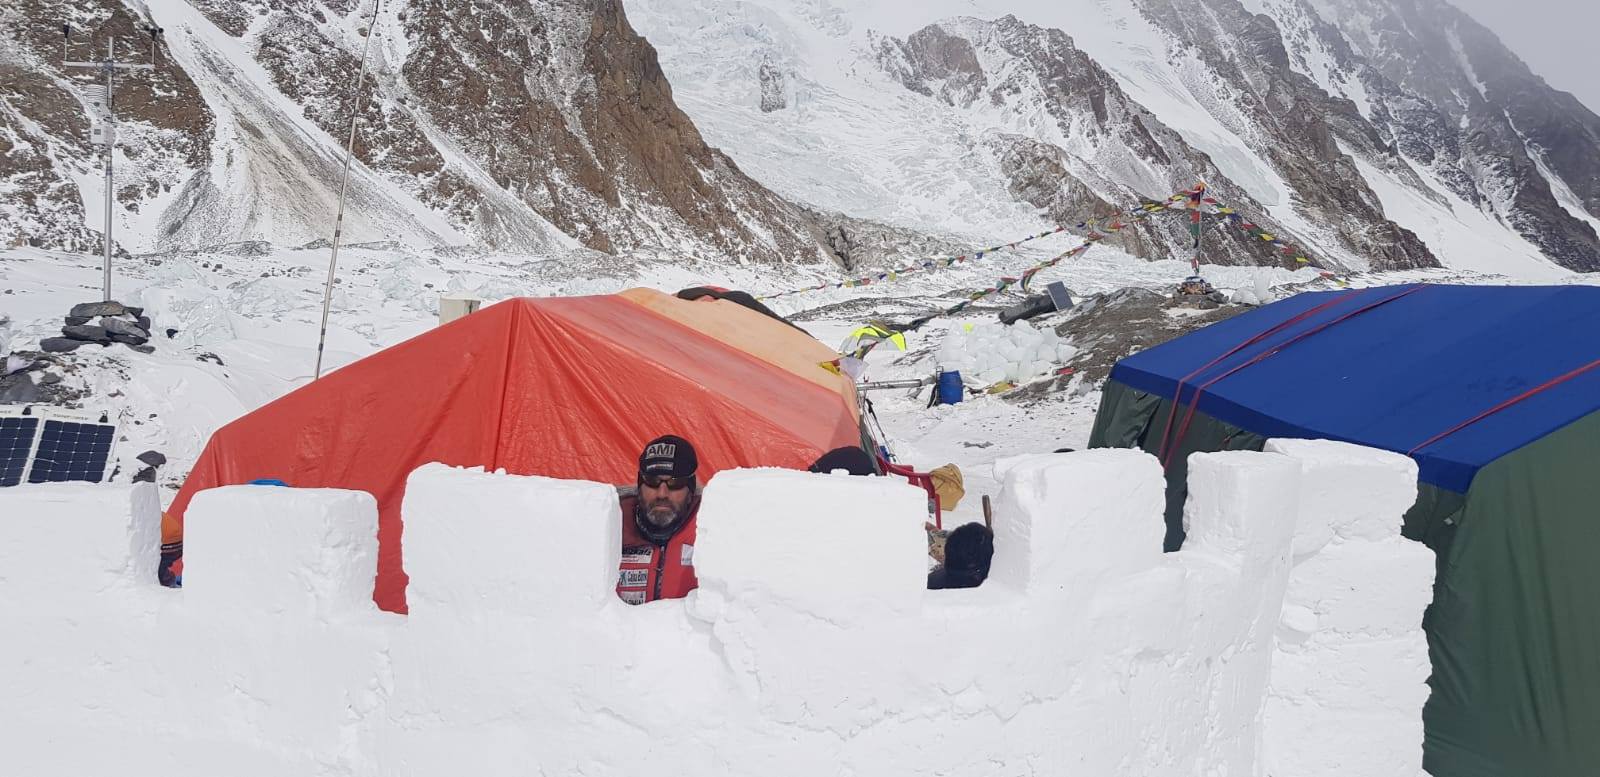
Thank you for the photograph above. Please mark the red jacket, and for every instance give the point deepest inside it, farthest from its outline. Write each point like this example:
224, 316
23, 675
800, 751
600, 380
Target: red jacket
650, 572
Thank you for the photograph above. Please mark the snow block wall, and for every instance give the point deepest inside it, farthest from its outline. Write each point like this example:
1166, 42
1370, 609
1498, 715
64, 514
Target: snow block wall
1350, 670
811, 647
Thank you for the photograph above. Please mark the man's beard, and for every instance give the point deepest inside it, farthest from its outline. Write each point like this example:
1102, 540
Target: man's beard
661, 514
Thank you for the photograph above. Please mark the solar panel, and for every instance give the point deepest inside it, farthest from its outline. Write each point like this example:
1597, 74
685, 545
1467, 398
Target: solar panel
17, 434
71, 450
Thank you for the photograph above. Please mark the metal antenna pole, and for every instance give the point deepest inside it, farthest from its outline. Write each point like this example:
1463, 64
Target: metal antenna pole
111, 121
108, 121
344, 180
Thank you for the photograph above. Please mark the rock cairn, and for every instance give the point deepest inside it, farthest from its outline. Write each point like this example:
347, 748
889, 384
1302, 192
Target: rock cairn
118, 323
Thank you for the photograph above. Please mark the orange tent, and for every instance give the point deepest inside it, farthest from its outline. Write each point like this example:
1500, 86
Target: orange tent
567, 387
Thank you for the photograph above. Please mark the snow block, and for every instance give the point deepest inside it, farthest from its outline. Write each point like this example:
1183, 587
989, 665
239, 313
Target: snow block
307, 552
810, 647
1060, 517
1352, 491
1375, 676
1366, 743
1371, 588
477, 542
1349, 675
1242, 502
827, 542
78, 541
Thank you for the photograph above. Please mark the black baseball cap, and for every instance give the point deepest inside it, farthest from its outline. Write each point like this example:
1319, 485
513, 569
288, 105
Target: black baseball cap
668, 456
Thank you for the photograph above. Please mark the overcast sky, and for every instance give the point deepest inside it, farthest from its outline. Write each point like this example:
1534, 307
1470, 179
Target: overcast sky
1557, 38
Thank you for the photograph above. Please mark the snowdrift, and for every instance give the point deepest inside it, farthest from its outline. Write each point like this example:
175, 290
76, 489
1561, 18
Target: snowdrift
812, 646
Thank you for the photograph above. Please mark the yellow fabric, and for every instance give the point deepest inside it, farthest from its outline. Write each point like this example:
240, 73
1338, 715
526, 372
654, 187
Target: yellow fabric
947, 483
878, 332
764, 338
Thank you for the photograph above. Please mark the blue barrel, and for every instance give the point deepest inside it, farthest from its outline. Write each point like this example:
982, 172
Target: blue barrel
950, 389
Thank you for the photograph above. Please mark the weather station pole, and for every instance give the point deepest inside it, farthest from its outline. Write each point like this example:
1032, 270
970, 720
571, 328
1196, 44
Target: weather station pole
103, 129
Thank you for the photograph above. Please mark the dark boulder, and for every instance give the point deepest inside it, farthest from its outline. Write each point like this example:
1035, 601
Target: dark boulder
118, 326
86, 332
91, 309
59, 344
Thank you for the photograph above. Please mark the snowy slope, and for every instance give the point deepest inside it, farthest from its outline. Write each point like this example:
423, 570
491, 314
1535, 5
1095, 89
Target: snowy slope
275, 175
1489, 128
1465, 237
917, 145
536, 128
851, 138
843, 136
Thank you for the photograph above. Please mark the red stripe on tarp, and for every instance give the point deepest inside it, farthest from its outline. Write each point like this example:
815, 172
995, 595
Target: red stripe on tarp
1503, 405
1264, 355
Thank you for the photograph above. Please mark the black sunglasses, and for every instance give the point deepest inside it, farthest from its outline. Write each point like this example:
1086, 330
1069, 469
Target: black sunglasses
674, 484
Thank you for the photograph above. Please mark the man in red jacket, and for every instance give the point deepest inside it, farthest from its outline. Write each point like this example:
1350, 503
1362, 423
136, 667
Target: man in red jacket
658, 524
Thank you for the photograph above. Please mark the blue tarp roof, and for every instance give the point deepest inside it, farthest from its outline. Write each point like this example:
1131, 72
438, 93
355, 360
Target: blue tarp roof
1391, 367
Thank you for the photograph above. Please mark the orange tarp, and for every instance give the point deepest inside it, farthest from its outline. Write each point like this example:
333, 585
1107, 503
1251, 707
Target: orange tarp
780, 346
567, 387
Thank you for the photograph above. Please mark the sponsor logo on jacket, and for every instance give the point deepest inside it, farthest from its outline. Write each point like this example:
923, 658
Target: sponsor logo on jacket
633, 578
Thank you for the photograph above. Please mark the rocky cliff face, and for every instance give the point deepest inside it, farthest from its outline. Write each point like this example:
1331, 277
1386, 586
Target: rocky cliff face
1072, 142
547, 125
1291, 122
45, 153
515, 126
1346, 124
567, 107
1458, 103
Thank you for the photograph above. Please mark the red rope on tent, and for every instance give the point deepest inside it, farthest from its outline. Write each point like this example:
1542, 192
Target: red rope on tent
1176, 395
1195, 402
1503, 405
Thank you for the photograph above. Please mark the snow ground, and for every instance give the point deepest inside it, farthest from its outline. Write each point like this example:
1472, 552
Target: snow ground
245, 320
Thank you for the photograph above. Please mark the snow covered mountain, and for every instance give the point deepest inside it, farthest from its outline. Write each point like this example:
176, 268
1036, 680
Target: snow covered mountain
1380, 134
514, 126
1483, 130
975, 114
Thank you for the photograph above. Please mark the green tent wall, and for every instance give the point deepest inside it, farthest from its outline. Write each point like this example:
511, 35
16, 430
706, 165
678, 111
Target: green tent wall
1514, 629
